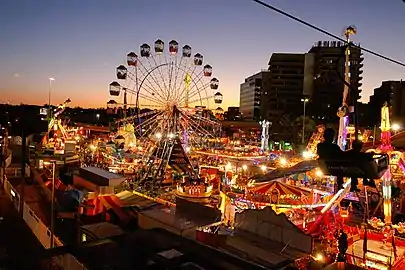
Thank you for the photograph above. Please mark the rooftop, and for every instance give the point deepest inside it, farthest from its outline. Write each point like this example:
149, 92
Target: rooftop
158, 249
102, 172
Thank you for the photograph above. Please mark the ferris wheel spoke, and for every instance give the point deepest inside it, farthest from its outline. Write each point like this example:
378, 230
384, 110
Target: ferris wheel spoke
148, 88
148, 130
204, 119
176, 76
199, 94
154, 76
185, 86
154, 130
194, 124
160, 72
147, 121
197, 81
151, 80
182, 74
155, 102
172, 65
136, 116
200, 99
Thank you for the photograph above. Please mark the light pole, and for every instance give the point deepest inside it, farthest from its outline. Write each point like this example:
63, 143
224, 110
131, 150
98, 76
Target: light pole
304, 101
49, 98
53, 203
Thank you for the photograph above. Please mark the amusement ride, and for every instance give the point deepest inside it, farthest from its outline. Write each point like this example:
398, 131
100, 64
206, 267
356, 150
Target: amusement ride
176, 90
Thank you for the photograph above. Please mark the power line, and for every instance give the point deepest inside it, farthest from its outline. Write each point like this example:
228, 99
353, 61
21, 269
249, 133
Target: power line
326, 32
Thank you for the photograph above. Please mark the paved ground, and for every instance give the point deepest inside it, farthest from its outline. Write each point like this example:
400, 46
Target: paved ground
17, 239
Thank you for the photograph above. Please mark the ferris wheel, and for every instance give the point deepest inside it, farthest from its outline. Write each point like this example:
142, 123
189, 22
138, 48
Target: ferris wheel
177, 87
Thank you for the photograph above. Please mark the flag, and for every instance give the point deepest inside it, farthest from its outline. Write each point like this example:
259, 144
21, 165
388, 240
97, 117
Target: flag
187, 79
364, 245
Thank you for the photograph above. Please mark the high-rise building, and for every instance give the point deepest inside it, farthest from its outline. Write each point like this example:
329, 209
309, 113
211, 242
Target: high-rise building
328, 84
283, 99
282, 105
250, 94
392, 92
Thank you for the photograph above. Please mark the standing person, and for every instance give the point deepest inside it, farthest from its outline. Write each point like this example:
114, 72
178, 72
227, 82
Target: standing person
329, 150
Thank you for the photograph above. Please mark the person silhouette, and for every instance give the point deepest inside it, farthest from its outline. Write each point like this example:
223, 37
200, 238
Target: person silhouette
357, 156
329, 150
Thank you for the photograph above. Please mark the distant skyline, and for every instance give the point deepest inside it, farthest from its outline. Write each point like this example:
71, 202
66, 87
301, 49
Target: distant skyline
80, 43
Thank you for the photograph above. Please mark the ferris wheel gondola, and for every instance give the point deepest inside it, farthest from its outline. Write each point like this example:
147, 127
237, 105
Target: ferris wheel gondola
177, 86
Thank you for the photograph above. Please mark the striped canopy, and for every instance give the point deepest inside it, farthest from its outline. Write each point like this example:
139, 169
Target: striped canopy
284, 189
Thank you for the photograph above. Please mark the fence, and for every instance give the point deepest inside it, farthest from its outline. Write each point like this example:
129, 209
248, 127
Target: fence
41, 231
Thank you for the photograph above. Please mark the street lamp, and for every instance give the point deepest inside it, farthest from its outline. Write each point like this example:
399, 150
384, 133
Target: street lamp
98, 116
396, 127
304, 101
49, 98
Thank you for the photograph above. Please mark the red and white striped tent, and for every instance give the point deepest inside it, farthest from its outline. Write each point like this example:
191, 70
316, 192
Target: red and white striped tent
120, 203
283, 188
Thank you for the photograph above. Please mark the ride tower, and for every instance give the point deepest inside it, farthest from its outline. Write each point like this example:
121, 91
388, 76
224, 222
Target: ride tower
385, 129
386, 147
343, 111
265, 135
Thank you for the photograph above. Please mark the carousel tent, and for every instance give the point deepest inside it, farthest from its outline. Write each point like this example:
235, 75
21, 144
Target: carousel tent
301, 167
284, 189
124, 204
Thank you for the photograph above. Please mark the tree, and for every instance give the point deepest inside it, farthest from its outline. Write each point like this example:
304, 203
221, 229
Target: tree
310, 127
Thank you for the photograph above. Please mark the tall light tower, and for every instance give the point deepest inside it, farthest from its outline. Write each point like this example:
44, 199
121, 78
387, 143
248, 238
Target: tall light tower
265, 135
343, 111
49, 98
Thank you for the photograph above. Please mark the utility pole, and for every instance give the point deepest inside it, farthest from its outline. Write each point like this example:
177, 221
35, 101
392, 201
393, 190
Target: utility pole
23, 161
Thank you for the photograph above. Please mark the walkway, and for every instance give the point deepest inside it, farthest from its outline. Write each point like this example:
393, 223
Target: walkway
17, 239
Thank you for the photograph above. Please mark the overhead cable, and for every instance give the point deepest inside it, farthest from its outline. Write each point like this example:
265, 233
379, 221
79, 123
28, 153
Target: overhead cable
314, 27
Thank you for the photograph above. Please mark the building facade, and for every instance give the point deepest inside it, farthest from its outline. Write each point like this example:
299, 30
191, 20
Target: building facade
251, 94
281, 104
328, 80
392, 92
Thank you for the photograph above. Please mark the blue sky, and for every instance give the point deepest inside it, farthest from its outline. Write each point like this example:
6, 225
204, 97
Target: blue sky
81, 42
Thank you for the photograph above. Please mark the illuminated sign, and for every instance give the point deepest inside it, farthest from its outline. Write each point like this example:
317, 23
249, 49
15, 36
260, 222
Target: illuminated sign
43, 111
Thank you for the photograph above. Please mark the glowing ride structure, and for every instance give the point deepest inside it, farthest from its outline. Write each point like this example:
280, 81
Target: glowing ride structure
176, 89
175, 85
57, 141
343, 111
265, 135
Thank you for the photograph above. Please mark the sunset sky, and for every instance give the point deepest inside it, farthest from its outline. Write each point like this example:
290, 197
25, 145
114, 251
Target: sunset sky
81, 42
